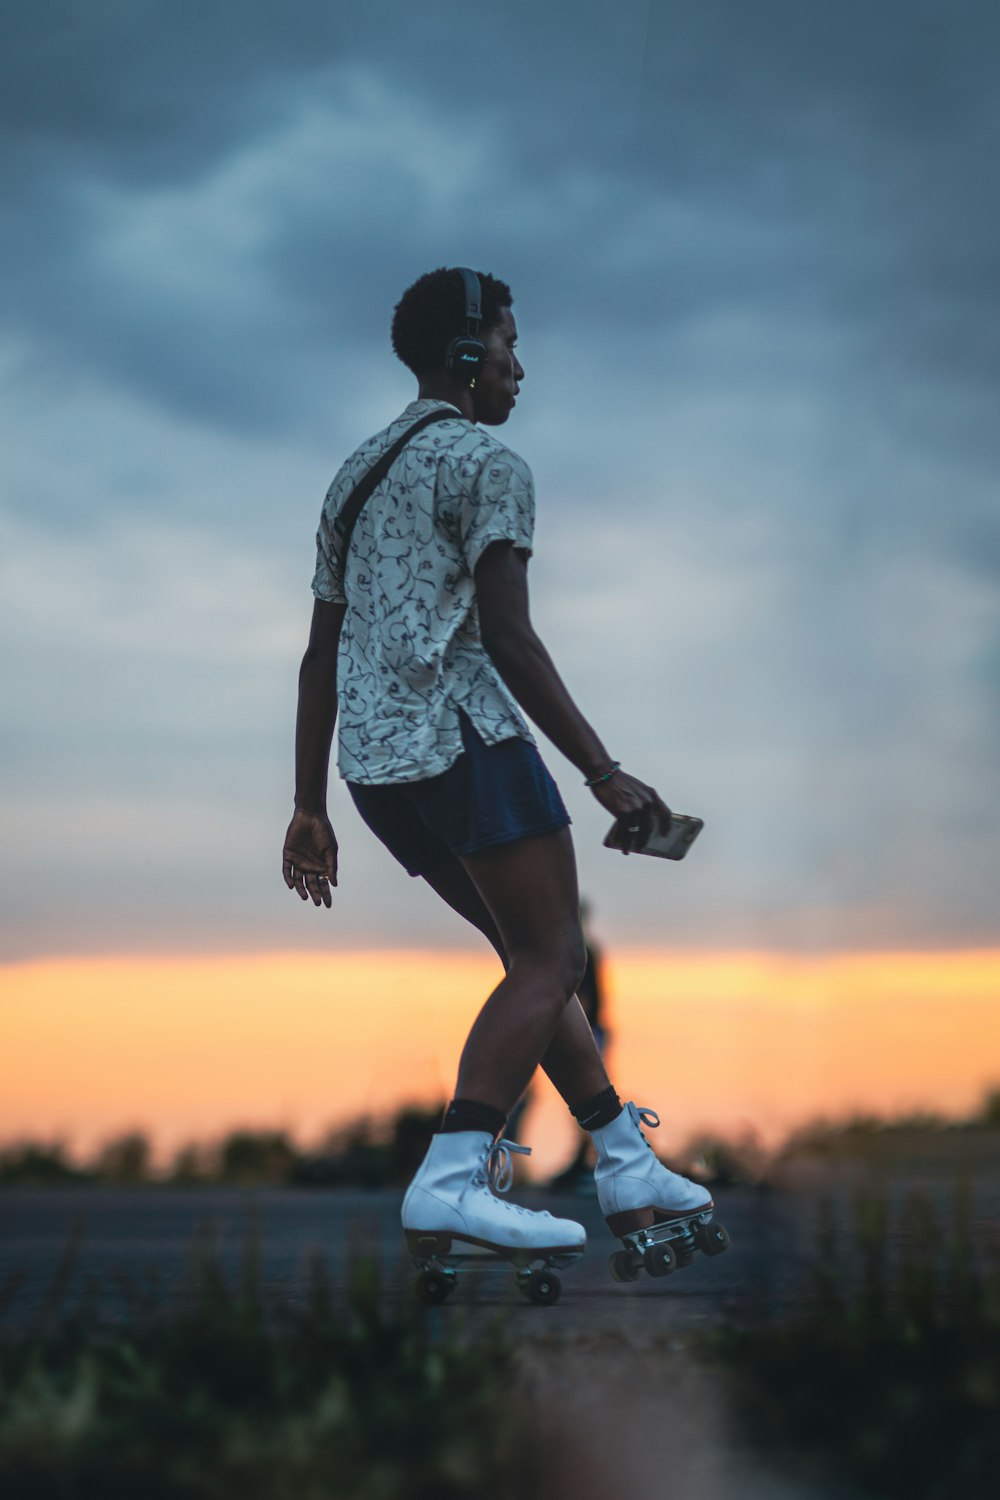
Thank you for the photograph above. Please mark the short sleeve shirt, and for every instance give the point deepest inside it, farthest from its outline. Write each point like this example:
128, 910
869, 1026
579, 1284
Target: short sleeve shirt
411, 655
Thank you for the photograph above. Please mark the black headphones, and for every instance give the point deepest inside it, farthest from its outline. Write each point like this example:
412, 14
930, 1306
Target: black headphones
466, 354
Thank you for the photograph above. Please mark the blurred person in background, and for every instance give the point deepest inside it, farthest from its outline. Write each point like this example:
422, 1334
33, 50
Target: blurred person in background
578, 1175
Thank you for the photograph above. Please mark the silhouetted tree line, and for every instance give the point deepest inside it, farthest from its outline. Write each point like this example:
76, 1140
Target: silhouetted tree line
367, 1153
373, 1153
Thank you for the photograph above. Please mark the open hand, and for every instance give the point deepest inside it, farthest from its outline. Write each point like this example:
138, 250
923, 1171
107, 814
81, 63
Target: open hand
636, 808
309, 858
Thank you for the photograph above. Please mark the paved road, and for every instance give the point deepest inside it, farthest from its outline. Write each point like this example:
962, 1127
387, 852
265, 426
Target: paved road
121, 1236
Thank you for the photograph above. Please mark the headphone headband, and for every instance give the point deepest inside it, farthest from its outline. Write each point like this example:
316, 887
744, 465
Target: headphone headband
473, 296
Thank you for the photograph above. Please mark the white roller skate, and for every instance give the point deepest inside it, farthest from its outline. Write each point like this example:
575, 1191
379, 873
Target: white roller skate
660, 1217
452, 1214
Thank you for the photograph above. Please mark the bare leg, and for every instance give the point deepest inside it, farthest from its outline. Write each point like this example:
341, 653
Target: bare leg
570, 1058
453, 885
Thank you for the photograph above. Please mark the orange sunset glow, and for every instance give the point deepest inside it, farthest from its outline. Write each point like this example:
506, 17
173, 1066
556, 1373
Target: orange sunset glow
189, 1047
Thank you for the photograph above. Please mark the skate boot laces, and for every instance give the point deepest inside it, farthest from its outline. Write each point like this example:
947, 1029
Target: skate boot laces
498, 1168
643, 1116
497, 1172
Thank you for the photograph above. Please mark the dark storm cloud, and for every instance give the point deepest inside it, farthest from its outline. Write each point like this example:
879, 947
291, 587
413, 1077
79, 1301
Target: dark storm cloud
876, 127
112, 103
148, 93
158, 90
815, 172
213, 208
799, 161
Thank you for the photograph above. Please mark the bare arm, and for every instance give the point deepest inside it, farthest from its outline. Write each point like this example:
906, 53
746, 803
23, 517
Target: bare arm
529, 671
309, 859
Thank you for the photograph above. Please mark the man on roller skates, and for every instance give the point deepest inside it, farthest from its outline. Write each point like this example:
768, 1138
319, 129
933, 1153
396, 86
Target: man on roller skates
421, 634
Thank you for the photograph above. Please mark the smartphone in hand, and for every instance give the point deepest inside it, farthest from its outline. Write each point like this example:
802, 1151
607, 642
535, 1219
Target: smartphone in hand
670, 841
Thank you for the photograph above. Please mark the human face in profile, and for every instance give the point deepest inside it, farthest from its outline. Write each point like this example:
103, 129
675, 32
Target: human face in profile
499, 381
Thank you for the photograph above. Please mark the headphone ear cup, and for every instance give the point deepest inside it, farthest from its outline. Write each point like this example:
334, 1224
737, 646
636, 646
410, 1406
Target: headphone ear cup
465, 357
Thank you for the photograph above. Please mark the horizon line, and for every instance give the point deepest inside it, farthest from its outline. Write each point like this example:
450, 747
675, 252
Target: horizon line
609, 951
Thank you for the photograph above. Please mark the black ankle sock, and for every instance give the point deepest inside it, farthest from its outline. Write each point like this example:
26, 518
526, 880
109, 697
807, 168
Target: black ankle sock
600, 1109
466, 1114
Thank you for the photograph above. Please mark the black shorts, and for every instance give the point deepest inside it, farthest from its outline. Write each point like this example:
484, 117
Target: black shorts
493, 794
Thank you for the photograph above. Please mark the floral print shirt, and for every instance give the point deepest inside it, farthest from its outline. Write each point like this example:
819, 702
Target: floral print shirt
411, 655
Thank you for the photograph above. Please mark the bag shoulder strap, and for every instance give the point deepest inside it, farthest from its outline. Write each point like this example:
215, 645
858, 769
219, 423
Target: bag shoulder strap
346, 518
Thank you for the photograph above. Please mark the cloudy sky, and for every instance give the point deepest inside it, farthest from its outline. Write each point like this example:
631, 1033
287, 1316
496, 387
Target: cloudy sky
753, 248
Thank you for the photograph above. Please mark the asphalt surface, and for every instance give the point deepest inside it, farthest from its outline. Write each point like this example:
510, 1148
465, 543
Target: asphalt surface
58, 1245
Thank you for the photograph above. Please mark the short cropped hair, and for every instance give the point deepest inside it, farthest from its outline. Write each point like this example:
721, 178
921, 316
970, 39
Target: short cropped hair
431, 312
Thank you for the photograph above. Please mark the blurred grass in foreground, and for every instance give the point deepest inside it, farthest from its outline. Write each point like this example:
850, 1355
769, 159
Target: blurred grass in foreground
886, 1380
889, 1380
223, 1395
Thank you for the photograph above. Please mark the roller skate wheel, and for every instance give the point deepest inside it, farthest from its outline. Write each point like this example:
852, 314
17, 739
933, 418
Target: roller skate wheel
540, 1287
712, 1238
434, 1287
659, 1260
623, 1266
